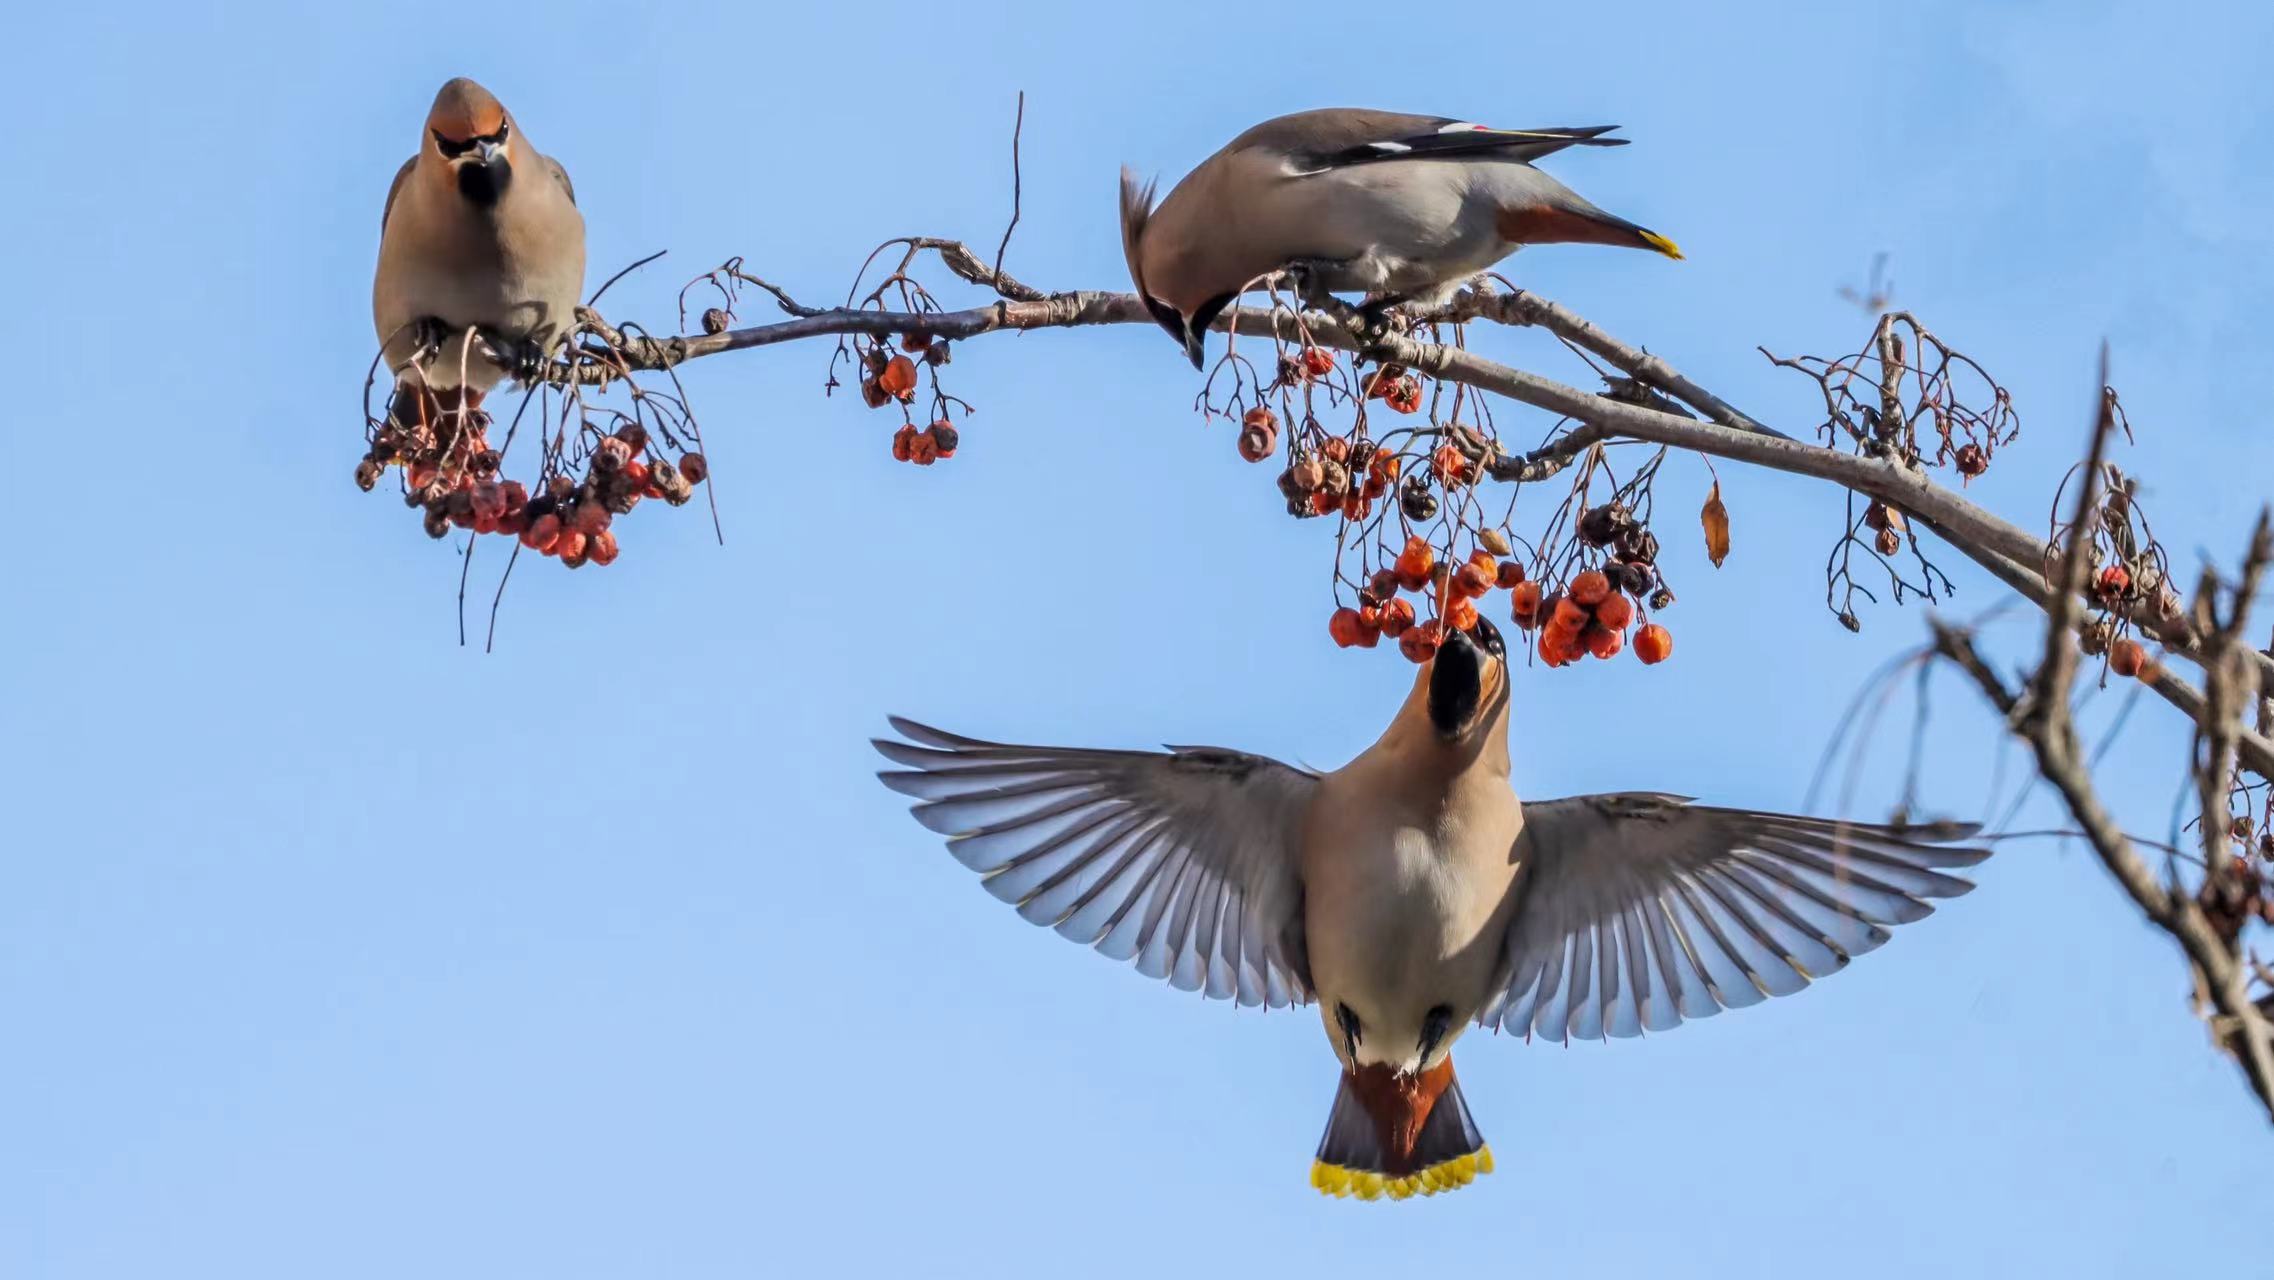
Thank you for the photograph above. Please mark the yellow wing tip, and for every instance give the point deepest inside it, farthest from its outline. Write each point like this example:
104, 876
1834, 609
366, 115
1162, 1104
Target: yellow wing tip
1662, 244
1449, 1175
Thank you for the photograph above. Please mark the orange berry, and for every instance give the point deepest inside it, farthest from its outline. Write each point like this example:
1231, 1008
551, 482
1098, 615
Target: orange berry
1259, 434
1344, 627
1404, 395
1604, 643
2114, 581
1450, 464
1357, 505
1318, 362
1590, 588
601, 547
1510, 575
571, 545
1615, 612
542, 534
635, 476
1336, 449
1525, 597
898, 379
1569, 615
1415, 562
1384, 468
1369, 626
1325, 503
1652, 644
1461, 613
903, 444
1396, 618
1553, 650
1419, 643
2126, 657
1473, 580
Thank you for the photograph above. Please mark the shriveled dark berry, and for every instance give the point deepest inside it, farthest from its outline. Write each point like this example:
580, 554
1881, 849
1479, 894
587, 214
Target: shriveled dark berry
716, 320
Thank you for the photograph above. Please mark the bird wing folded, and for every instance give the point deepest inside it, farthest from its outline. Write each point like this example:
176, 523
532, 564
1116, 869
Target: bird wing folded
1636, 911
1331, 139
1185, 861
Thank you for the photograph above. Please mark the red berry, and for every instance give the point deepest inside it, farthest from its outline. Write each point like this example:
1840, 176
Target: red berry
2126, 657
694, 466
1318, 362
1652, 644
1615, 612
601, 547
1525, 599
1419, 643
1591, 588
1396, 618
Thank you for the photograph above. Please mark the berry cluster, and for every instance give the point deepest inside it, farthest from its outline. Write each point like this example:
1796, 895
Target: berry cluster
451, 473
889, 377
1338, 475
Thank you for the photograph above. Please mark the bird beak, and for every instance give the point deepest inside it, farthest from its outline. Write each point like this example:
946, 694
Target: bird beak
1457, 679
485, 153
1196, 346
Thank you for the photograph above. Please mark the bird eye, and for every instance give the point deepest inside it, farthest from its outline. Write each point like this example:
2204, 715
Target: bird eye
448, 148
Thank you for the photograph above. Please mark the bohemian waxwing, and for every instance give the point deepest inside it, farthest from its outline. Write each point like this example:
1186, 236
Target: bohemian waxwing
1402, 208
480, 231
1409, 893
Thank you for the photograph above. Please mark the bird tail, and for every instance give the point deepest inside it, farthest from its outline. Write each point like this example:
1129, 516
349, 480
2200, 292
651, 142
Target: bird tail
1353, 1159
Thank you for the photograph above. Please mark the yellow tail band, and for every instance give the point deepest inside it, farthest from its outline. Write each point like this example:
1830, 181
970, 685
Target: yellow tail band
1662, 244
1334, 1180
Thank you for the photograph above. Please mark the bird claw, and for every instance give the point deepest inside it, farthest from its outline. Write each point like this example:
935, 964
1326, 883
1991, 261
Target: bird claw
528, 362
1379, 319
427, 333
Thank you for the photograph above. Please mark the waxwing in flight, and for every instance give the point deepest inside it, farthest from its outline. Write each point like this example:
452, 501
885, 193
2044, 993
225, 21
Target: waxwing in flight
1410, 894
480, 231
1401, 208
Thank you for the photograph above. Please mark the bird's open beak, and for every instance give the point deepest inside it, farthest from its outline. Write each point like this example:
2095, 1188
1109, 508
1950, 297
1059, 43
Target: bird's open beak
1460, 677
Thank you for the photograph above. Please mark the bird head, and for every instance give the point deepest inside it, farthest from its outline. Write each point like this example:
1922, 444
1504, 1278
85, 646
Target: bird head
471, 134
1468, 681
1187, 324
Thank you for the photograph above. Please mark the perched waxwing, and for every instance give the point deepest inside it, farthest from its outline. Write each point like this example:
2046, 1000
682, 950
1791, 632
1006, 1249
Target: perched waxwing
480, 232
1409, 894
1401, 208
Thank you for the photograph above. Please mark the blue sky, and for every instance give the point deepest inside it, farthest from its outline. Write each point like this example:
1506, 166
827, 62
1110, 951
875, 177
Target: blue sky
328, 947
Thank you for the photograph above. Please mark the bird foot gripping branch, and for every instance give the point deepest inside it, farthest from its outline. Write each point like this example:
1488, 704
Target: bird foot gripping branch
594, 462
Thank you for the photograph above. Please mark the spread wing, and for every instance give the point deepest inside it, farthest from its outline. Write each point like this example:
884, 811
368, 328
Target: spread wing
1185, 861
1638, 911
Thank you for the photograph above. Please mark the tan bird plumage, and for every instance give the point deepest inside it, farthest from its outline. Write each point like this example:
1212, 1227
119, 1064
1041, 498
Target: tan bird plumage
480, 231
1395, 206
1411, 894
